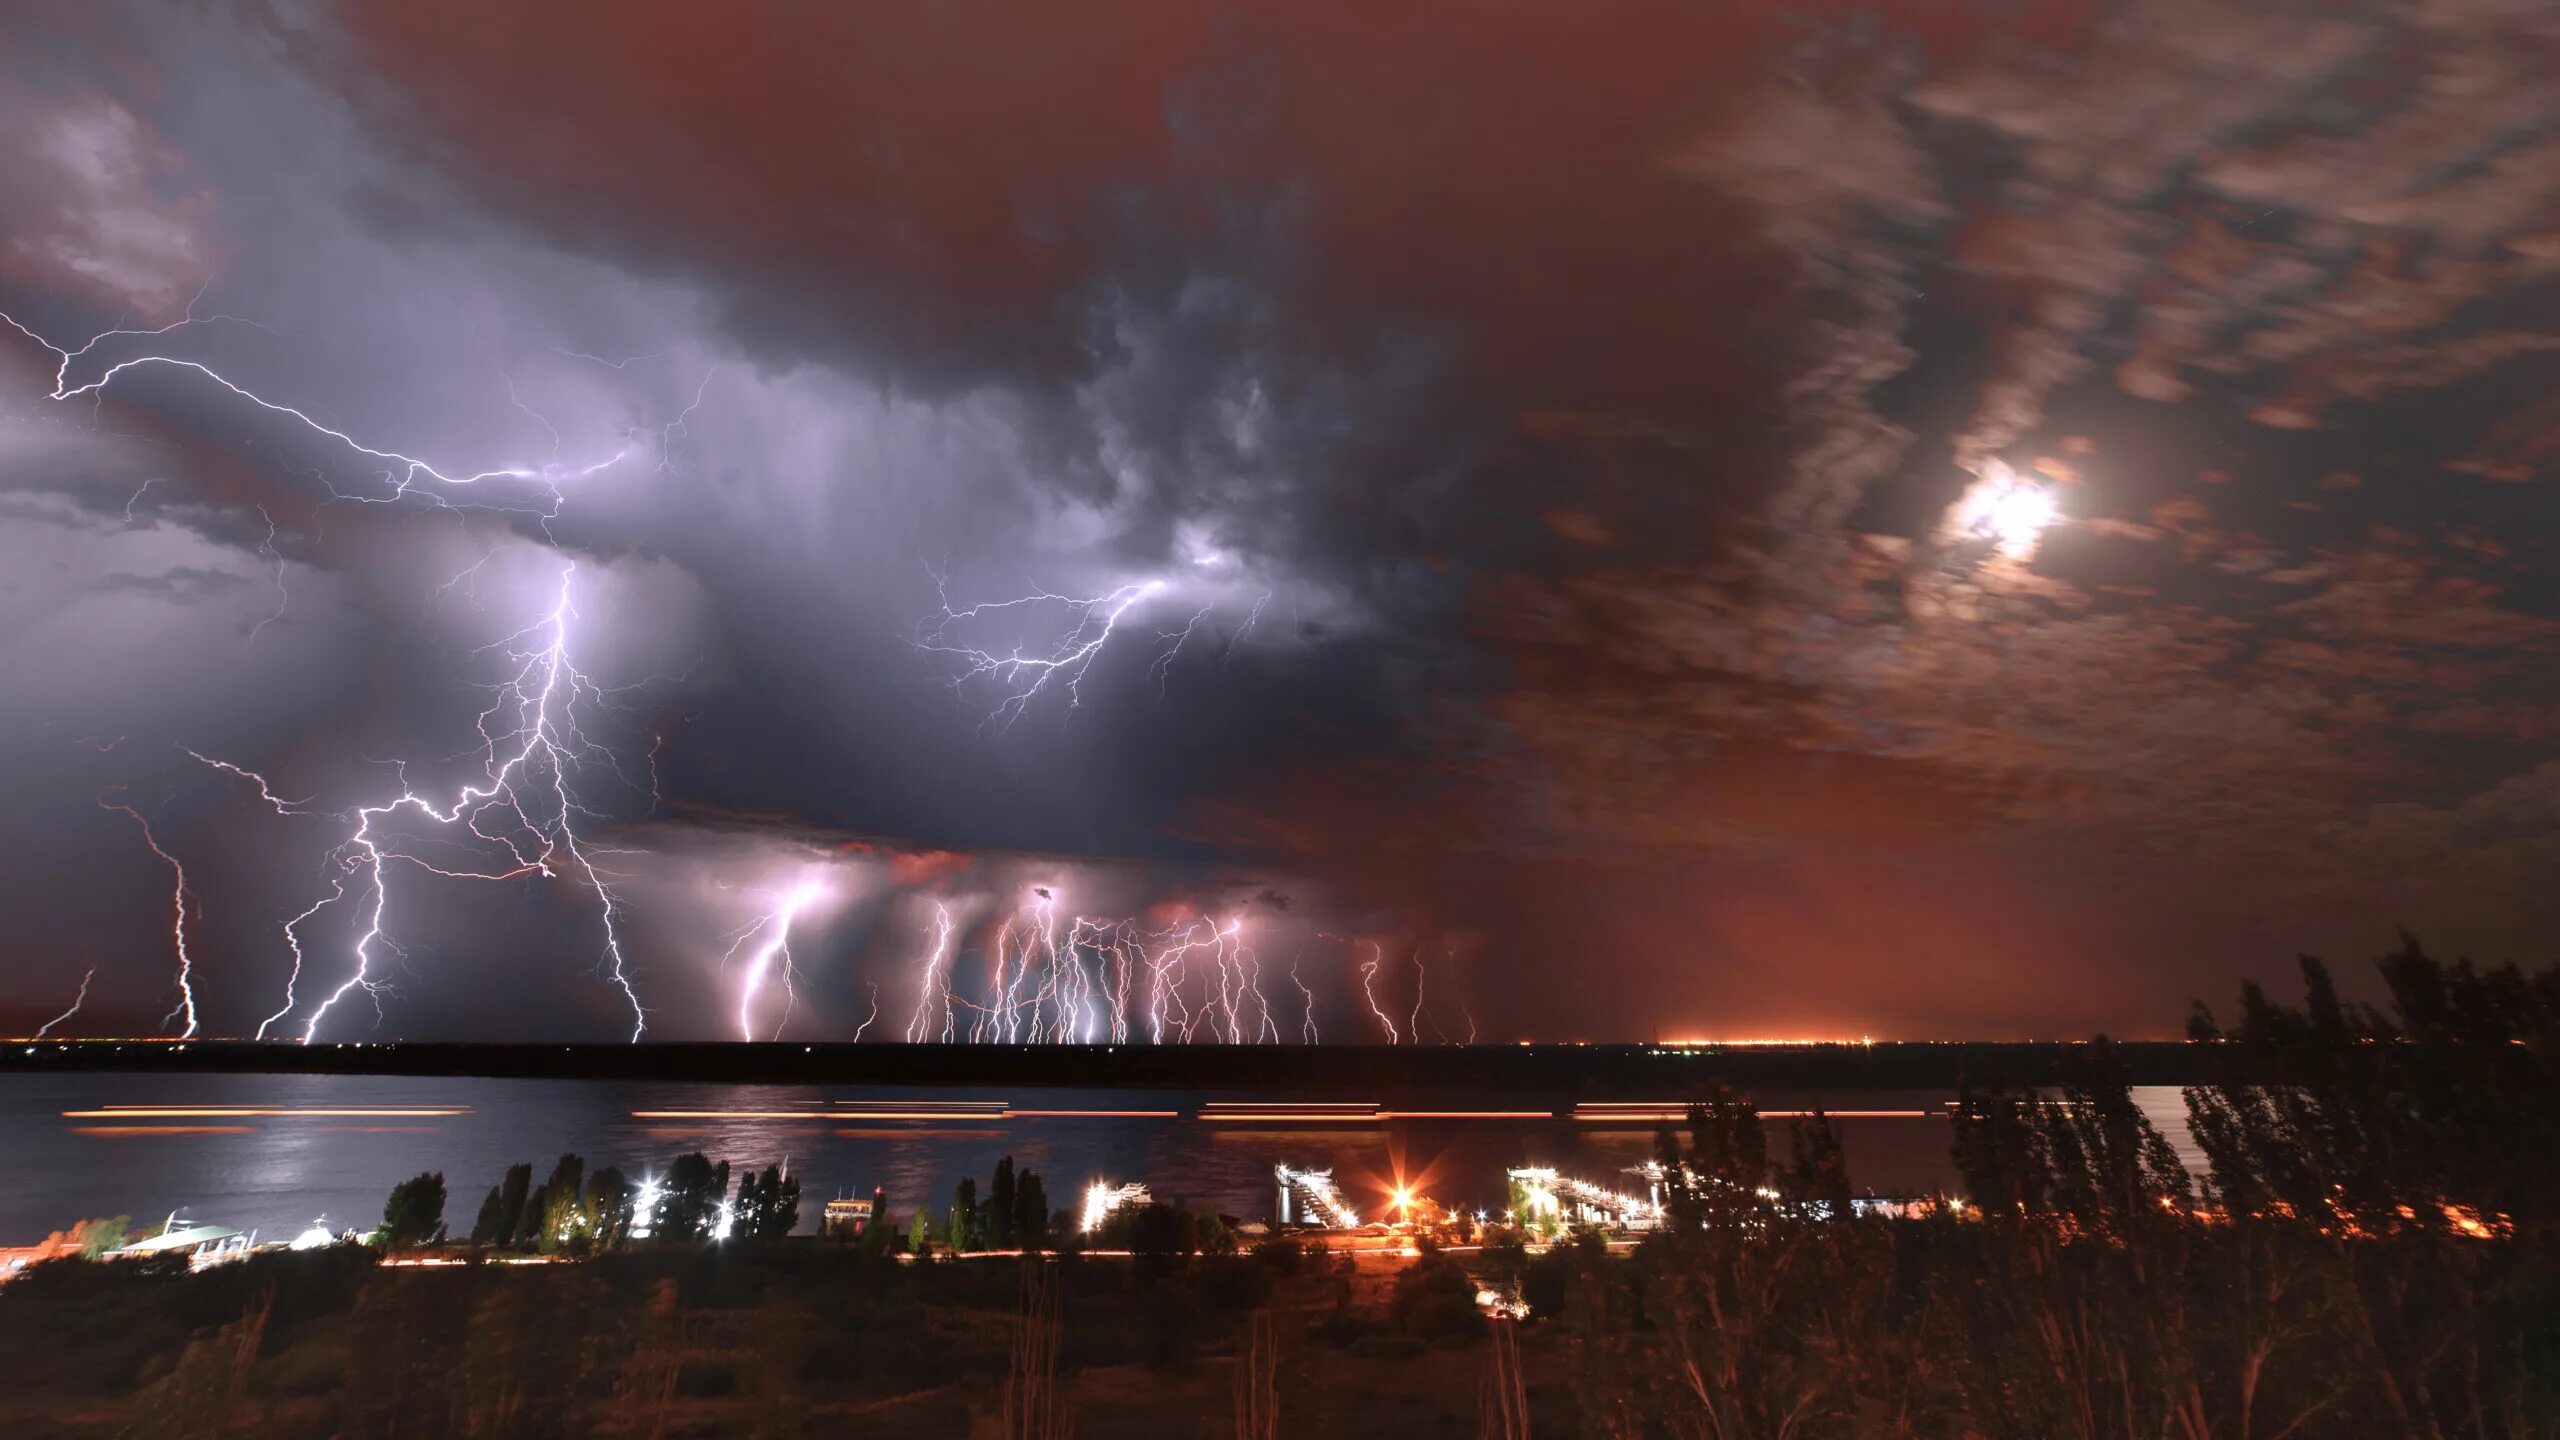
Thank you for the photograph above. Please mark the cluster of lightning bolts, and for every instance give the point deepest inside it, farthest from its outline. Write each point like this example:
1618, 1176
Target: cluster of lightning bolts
1051, 978
523, 813
1046, 977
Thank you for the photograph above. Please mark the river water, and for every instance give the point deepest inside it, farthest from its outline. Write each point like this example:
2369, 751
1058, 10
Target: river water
273, 1153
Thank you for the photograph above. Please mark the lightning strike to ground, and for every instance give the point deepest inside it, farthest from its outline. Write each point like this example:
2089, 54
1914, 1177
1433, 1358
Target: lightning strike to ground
771, 957
525, 791
178, 929
76, 1002
1369, 985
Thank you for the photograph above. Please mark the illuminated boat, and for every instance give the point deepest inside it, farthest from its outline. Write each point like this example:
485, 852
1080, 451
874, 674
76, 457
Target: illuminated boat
203, 1245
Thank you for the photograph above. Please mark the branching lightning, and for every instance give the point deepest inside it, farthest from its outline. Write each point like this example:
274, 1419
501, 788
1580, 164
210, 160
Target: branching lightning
403, 472
1045, 974
524, 808
771, 958
1021, 676
186, 1006
1081, 628
937, 981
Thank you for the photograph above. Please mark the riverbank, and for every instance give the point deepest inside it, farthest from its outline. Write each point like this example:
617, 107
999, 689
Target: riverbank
795, 1337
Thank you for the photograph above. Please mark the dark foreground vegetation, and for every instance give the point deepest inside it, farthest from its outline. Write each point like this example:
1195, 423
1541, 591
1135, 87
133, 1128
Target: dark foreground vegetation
2370, 1255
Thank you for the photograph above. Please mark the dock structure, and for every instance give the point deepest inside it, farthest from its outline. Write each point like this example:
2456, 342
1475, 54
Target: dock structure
1550, 1194
1309, 1199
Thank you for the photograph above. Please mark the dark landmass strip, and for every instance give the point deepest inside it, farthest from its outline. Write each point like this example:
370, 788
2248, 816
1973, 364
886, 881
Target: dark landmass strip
1364, 1072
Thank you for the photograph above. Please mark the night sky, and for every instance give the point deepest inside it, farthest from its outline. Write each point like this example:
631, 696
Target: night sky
1564, 482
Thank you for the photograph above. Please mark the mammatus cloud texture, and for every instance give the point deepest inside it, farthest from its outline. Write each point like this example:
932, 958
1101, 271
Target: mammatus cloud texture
1655, 519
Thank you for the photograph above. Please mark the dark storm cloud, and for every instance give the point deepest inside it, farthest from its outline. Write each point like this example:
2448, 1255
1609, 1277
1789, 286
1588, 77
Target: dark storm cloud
1549, 418
1312, 281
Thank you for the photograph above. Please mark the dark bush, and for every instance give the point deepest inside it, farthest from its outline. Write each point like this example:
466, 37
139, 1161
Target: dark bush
1233, 1283
1435, 1296
706, 1379
1546, 1280
1388, 1347
1282, 1256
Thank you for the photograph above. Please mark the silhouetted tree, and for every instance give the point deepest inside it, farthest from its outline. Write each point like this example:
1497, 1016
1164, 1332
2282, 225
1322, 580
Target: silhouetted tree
768, 1205
689, 1198
606, 1208
965, 1222
1031, 1212
491, 1226
512, 1192
1000, 1213
563, 1216
414, 1213
1435, 1296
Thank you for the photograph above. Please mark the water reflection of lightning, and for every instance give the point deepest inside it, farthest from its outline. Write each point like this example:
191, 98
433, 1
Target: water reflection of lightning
186, 1005
76, 1002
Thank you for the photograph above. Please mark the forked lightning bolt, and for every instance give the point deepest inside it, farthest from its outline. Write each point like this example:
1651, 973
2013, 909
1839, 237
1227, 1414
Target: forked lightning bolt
523, 811
937, 968
771, 956
532, 743
1021, 676
403, 471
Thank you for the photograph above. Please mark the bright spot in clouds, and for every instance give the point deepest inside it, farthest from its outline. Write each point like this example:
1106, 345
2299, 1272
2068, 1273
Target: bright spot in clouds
2005, 510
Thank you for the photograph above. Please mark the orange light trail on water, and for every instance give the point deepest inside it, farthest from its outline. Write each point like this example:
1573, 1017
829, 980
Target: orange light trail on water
228, 1112
139, 1132
839, 1117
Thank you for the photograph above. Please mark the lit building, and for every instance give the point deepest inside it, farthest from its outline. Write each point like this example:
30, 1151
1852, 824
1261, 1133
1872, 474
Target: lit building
847, 1218
1102, 1200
